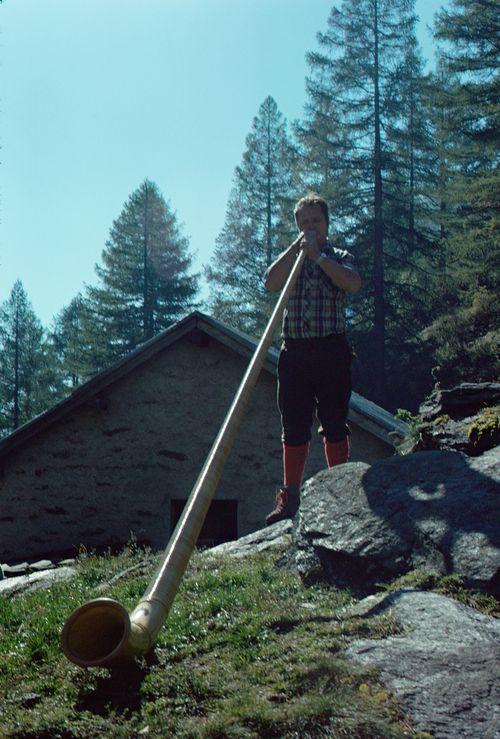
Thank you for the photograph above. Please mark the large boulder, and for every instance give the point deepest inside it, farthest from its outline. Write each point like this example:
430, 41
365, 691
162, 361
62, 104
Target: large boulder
437, 511
443, 668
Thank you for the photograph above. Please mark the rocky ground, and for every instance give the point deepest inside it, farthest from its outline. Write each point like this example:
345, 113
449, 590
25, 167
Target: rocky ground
443, 667
18, 578
436, 510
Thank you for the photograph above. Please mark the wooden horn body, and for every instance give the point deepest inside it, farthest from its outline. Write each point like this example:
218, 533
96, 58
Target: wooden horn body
101, 632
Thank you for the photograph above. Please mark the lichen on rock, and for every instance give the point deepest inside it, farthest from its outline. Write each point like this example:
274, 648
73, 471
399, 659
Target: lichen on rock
484, 432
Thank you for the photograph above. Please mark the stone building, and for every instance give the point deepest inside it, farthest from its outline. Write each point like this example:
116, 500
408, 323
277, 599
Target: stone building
119, 456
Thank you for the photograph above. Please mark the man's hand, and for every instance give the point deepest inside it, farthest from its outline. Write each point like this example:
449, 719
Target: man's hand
344, 277
277, 273
309, 243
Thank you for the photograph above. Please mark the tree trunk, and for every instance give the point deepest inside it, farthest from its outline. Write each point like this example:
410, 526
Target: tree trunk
411, 214
378, 267
16, 370
269, 193
145, 306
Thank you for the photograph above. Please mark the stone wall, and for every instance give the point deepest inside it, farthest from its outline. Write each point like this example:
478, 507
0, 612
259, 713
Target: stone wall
110, 467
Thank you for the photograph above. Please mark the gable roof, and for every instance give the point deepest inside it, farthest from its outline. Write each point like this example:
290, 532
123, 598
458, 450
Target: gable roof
362, 412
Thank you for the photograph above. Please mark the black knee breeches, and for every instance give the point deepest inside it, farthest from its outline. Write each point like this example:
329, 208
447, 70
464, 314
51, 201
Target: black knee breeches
314, 374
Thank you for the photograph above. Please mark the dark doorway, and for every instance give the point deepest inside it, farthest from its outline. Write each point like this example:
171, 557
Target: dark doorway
220, 525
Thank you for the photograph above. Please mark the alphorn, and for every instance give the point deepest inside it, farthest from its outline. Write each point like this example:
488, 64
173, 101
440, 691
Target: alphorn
101, 633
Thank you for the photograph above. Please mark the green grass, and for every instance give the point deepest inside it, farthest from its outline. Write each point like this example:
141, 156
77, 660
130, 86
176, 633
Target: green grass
247, 651
450, 585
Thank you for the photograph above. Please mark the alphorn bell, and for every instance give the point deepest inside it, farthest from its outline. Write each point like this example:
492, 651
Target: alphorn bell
101, 632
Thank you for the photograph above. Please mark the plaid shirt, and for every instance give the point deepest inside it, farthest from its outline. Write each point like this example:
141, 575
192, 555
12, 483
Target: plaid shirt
317, 306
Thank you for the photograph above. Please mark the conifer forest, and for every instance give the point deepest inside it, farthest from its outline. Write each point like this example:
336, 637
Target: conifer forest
408, 162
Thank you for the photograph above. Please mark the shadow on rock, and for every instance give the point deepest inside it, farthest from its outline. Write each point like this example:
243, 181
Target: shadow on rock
444, 507
437, 511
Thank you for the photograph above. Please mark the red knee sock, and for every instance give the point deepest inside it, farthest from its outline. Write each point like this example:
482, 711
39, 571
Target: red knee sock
294, 462
336, 452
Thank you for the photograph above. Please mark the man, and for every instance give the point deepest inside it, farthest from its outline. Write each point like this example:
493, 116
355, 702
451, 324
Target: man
314, 368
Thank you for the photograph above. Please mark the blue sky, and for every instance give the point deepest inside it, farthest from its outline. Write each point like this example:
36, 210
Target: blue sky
97, 95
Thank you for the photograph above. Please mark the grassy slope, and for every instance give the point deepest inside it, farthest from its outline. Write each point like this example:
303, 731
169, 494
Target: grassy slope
247, 651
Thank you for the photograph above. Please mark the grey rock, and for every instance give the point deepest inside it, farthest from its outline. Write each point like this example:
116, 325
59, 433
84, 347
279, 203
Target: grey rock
437, 511
463, 400
277, 535
15, 570
45, 579
368, 606
447, 434
449, 415
444, 669
42, 564
1, 573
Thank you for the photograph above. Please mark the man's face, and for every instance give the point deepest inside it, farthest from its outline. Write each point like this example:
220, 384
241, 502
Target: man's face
311, 218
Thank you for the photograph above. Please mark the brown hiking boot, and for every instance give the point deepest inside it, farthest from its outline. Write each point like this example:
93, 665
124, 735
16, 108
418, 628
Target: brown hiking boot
287, 505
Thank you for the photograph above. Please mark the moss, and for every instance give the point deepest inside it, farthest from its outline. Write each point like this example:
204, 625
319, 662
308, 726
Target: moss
484, 432
413, 437
417, 579
441, 420
450, 585
408, 417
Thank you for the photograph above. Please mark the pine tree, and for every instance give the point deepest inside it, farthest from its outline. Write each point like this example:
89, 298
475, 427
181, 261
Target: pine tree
257, 225
145, 283
465, 334
72, 345
413, 253
28, 381
365, 121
